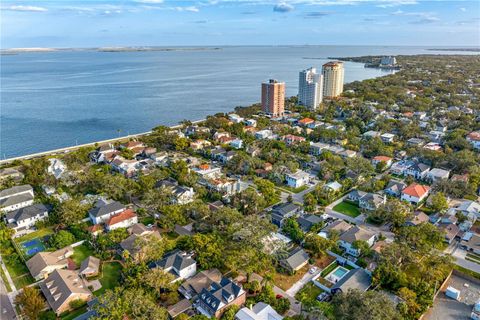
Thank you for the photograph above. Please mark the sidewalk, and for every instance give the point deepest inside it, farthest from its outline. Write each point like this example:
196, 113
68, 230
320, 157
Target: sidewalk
9, 279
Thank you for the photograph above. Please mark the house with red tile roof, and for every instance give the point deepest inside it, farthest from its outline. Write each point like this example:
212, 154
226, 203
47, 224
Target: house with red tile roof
290, 139
124, 219
415, 193
305, 121
379, 159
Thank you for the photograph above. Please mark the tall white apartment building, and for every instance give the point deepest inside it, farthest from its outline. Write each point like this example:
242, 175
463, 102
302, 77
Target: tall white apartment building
310, 88
333, 75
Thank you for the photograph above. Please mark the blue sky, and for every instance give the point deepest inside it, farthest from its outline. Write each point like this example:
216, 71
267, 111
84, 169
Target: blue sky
64, 23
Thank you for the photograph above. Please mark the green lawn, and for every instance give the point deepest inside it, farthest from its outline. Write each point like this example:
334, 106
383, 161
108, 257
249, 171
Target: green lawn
80, 253
147, 220
5, 281
347, 209
36, 234
308, 294
74, 313
111, 272
23, 280
294, 190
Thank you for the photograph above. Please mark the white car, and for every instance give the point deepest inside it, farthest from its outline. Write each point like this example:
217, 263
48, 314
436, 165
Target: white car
313, 270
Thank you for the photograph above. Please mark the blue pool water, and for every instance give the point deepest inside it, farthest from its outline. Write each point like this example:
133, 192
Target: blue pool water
340, 272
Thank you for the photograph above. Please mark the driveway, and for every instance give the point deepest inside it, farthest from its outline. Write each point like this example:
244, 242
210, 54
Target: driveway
295, 306
297, 286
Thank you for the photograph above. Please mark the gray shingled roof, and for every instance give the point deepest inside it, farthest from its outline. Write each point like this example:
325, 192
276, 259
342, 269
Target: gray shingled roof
15, 190
296, 258
99, 211
15, 199
176, 259
355, 279
27, 212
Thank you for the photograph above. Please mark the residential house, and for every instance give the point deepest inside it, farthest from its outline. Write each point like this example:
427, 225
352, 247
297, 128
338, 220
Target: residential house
371, 134
207, 171
348, 238
471, 243
16, 197
44, 263
348, 154
283, 211
235, 118
468, 208
415, 193
127, 167
290, 139
338, 226
297, 179
159, 158
474, 139
371, 201
10, 173
433, 146
104, 209
104, 154
179, 263
63, 287
436, 136
90, 267
296, 260
394, 188
356, 279
139, 233
236, 143
56, 168
382, 159
418, 170
260, 311
226, 156
355, 195
123, 219
179, 194
227, 187
333, 186
251, 122
305, 122
418, 217
400, 168
316, 148
387, 137
213, 302
264, 134
199, 144
415, 142
451, 231
192, 287
306, 222
437, 174
25, 218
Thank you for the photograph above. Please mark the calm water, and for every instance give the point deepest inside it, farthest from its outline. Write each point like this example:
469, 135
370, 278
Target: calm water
58, 99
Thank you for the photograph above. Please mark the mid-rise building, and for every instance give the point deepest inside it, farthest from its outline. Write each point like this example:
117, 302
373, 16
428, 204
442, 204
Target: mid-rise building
310, 88
273, 97
333, 76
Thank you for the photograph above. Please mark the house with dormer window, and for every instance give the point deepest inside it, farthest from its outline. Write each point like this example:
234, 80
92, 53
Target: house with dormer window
213, 302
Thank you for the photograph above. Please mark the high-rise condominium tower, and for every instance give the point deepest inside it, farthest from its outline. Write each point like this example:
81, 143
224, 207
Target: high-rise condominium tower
273, 97
333, 74
310, 88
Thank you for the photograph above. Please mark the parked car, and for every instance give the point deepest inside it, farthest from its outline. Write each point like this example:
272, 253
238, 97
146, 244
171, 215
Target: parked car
313, 270
324, 297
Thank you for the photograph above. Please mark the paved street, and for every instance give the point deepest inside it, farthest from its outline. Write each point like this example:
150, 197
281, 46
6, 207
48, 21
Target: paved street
8, 312
459, 255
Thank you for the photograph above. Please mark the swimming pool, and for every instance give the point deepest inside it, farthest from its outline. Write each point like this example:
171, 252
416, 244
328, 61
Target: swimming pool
337, 274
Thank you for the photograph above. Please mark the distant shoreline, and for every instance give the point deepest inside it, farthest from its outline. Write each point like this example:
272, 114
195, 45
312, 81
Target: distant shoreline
12, 51
455, 49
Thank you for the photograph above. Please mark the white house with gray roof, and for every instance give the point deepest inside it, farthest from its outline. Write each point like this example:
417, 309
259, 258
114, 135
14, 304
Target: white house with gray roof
296, 260
178, 263
27, 217
104, 209
212, 302
16, 197
348, 238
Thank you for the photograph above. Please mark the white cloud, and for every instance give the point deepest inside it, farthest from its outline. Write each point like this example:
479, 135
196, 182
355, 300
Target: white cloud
189, 9
26, 8
283, 7
150, 1
463, 9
